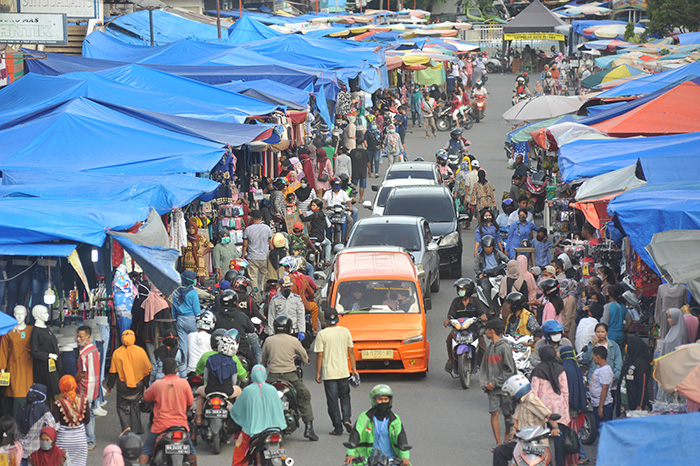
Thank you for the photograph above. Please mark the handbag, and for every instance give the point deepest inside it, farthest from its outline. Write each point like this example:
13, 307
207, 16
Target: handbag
571, 441
322, 177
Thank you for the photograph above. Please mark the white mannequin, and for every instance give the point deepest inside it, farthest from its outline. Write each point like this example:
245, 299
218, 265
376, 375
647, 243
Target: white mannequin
20, 313
41, 315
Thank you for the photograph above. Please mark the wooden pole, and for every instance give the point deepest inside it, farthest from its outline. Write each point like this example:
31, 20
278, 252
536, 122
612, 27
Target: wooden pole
218, 18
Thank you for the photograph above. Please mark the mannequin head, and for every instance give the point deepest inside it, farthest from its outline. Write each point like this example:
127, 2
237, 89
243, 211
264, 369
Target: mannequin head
20, 313
40, 313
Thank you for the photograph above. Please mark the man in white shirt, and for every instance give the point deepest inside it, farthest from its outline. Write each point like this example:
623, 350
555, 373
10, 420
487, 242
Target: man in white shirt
585, 330
199, 342
336, 196
343, 163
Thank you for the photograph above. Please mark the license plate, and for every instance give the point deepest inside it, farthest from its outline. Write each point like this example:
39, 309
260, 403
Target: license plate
273, 453
215, 413
176, 449
378, 354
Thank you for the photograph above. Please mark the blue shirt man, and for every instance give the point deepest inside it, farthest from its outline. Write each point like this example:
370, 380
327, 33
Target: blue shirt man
520, 230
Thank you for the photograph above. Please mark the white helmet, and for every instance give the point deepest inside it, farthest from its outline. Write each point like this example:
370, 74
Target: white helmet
516, 386
475, 164
291, 262
206, 321
228, 344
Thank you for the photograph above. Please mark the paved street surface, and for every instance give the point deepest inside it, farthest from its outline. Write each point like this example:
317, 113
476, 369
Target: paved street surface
446, 425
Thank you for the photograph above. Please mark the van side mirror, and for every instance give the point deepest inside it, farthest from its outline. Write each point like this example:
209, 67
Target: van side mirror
367, 204
375, 188
433, 246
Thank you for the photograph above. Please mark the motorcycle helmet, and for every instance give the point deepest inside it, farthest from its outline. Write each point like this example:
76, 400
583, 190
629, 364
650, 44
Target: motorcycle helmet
279, 241
280, 183
206, 321
516, 300
344, 179
298, 228
466, 284
282, 324
517, 386
336, 183
549, 286
441, 156
525, 243
241, 284
290, 262
240, 265
215, 337
231, 275
456, 133
475, 164
131, 446
520, 80
550, 327
479, 83
228, 300
488, 241
381, 390
228, 344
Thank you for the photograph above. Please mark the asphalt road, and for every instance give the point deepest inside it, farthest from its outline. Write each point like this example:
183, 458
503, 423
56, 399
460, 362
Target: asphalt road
445, 424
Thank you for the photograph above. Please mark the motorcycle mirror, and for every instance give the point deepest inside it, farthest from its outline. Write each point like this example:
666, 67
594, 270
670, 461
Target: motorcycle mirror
405, 447
433, 246
350, 445
375, 188
554, 417
367, 204
463, 218
256, 321
319, 276
338, 247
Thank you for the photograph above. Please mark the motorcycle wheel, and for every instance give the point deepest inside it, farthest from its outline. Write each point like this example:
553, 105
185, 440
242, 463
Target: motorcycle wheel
216, 442
491, 67
589, 430
478, 115
442, 124
464, 368
468, 123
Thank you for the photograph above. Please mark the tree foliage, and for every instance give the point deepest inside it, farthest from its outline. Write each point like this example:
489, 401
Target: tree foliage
666, 15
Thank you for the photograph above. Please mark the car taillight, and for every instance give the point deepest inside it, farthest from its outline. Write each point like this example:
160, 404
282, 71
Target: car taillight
216, 402
274, 438
178, 436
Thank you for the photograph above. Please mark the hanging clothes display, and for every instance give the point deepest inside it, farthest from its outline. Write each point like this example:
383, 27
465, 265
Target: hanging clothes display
43, 342
124, 295
15, 358
223, 173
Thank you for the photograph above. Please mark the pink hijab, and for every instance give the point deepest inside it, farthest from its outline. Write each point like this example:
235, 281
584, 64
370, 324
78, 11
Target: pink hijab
112, 456
527, 276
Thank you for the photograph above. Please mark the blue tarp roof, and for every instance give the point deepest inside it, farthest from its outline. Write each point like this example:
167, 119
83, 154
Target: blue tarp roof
261, 17
83, 135
167, 27
654, 208
653, 82
669, 168
57, 64
580, 24
37, 249
689, 38
273, 88
248, 29
586, 158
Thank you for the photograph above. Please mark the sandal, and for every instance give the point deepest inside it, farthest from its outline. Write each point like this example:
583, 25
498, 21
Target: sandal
336, 432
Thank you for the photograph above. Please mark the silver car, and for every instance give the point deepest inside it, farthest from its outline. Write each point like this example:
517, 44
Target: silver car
385, 189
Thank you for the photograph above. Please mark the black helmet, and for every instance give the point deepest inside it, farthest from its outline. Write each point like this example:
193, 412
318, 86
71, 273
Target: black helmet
241, 283
466, 284
549, 286
216, 336
229, 299
280, 183
131, 446
525, 243
344, 178
455, 133
516, 300
488, 241
282, 324
231, 275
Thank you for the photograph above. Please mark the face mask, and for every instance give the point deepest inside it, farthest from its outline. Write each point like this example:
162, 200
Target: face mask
286, 292
556, 337
523, 219
45, 445
383, 408
392, 131
304, 185
225, 240
488, 219
461, 293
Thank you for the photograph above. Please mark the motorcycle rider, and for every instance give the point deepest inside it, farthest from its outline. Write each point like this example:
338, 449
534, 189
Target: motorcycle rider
521, 88
488, 258
278, 358
445, 171
529, 411
214, 343
220, 372
336, 196
229, 315
198, 342
172, 397
289, 304
246, 303
479, 91
379, 428
553, 332
317, 219
300, 245
456, 144
520, 321
462, 307
303, 286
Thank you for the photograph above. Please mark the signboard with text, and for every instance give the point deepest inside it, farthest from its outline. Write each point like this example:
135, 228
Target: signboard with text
33, 28
71, 8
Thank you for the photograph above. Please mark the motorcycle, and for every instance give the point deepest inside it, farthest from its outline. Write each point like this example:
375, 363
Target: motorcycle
445, 122
480, 107
266, 449
337, 230
494, 276
217, 425
528, 449
498, 64
288, 395
465, 345
518, 97
376, 458
536, 185
521, 347
172, 448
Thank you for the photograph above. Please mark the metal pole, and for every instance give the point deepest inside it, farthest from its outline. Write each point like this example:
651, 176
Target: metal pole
150, 20
218, 18
240, 9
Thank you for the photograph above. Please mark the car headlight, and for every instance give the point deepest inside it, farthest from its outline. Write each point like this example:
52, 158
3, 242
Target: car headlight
416, 339
450, 239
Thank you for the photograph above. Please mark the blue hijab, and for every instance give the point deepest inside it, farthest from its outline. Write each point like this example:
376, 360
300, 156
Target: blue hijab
259, 406
574, 377
187, 280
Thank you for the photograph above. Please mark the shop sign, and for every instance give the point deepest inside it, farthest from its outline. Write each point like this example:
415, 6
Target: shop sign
534, 36
71, 8
33, 28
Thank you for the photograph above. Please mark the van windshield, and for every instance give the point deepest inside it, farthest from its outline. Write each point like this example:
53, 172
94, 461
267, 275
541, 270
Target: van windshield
432, 208
400, 174
377, 297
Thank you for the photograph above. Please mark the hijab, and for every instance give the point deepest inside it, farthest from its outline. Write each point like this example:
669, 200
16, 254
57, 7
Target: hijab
513, 274
321, 159
72, 406
525, 273
308, 169
550, 368
112, 456
637, 356
259, 406
677, 334
574, 378
34, 409
169, 346
130, 361
303, 193
187, 281
567, 287
482, 177
52, 457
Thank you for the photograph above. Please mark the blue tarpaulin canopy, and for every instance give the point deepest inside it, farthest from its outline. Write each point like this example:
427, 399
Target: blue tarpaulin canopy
654, 208
273, 88
669, 168
689, 38
167, 27
586, 158
58, 249
248, 29
653, 82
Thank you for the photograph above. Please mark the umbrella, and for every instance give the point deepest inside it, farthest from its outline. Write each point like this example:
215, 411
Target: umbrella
680, 371
541, 108
605, 44
675, 253
612, 31
622, 71
587, 10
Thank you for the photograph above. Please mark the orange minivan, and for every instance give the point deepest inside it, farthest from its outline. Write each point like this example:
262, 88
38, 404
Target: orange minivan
378, 297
